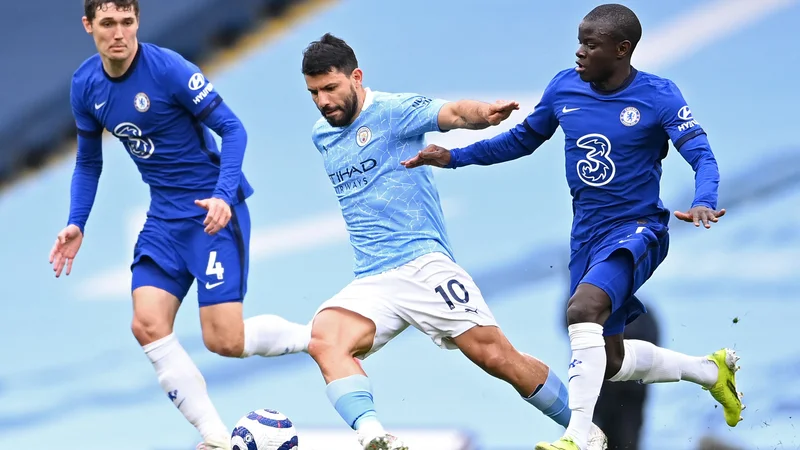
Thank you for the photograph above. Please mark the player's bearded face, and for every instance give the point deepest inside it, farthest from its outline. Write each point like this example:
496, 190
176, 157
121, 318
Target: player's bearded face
114, 31
341, 106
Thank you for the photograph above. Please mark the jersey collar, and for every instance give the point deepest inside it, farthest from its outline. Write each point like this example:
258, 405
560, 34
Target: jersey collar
130, 70
624, 84
368, 98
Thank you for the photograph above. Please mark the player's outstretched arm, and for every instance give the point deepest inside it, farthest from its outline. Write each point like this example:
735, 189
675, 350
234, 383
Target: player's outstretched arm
510, 145
474, 115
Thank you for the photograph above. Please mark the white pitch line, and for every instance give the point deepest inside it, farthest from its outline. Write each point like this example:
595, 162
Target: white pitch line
667, 45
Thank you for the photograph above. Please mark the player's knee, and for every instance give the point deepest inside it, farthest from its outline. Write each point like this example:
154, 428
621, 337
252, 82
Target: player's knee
488, 348
337, 333
588, 304
495, 361
148, 329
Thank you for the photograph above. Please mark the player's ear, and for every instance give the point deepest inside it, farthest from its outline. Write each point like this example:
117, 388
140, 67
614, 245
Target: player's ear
357, 76
623, 49
87, 25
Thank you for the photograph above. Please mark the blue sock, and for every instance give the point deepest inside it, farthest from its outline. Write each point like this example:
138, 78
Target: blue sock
352, 398
552, 399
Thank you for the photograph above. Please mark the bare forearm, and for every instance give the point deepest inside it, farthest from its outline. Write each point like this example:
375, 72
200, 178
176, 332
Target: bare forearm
468, 114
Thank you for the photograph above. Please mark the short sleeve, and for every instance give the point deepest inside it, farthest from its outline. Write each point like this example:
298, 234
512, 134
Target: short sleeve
414, 115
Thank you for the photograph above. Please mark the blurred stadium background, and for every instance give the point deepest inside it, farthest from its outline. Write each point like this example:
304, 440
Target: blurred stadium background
72, 375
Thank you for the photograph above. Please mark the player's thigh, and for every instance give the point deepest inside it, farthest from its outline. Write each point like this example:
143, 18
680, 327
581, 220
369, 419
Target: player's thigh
604, 292
154, 312
359, 319
219, 262
438, 297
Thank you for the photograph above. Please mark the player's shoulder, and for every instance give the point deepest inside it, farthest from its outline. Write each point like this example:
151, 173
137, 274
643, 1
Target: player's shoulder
160, 58
659, 84
401, 100
90, 68
563, 79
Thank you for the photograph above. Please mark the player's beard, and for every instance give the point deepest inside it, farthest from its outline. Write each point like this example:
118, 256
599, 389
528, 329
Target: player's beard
349, 110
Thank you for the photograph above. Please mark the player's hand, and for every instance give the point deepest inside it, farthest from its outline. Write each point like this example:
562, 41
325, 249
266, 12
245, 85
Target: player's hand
219, 214
68, 242
700, 214
432, 155
500, 111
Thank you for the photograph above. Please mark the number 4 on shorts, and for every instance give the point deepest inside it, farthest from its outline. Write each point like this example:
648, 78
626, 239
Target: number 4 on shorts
453, 295
214, 267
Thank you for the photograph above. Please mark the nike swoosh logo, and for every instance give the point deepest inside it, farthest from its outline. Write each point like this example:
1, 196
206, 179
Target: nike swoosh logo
99, 105
625, 240
568, 110
570, 378
212, 286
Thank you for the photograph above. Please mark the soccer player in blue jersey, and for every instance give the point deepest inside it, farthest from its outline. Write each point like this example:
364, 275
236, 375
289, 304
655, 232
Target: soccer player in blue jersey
617, 122
405, 273
162, 108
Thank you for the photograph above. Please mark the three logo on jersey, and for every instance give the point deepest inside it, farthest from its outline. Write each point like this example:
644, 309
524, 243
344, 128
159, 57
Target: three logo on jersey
598, 168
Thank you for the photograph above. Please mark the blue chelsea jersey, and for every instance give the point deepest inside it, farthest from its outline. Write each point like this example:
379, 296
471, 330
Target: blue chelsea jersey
393, 214
156, 111
614, 142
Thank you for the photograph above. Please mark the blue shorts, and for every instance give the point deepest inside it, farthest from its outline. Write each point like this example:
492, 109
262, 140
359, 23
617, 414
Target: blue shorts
619, 263
171, 254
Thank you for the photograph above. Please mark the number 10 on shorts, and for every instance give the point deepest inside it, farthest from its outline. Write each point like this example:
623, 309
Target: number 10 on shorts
455, 291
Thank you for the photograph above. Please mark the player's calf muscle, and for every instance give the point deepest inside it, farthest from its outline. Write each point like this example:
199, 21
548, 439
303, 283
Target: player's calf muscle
490, 350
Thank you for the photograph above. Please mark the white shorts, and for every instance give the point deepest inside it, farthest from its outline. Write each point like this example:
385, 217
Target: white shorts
431, 293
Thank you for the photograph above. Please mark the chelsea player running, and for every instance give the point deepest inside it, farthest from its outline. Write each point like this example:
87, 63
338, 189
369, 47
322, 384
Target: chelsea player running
404, 267
161, 108
617, 122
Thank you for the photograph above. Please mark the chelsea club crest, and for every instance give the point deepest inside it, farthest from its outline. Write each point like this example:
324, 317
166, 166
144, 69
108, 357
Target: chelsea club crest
141, 102
363, 136
629, 116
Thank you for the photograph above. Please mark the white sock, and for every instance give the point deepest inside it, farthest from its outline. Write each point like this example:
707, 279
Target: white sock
650, 364
369, 428
185, 386
270, 335
586, 373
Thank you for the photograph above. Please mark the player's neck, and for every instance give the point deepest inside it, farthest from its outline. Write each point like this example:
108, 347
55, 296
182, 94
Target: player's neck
116, 69
615, 81
361, 95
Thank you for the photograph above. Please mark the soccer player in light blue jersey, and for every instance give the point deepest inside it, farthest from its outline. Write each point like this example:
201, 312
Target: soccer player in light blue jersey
163, 109
617, 122
405, 272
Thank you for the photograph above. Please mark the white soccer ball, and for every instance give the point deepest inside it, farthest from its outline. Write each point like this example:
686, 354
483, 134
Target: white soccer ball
264, 429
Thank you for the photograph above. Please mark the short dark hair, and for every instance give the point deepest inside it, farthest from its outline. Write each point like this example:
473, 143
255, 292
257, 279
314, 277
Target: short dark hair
619, 21
327, 54
90, 7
